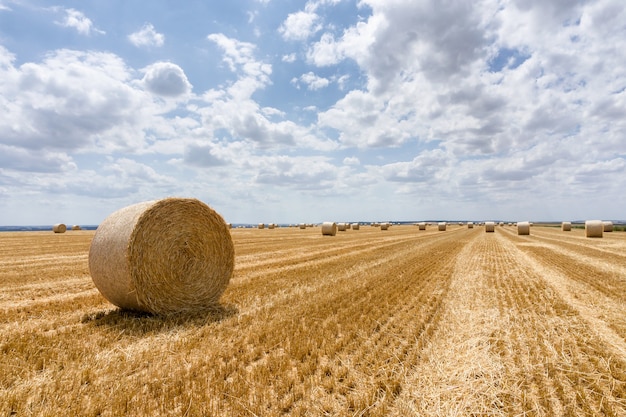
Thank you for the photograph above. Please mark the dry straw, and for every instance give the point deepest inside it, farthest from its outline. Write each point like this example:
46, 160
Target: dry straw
607, 225
261, 226
342, 227
329, 229
490, 227
355, 226
594, 228
302, 226
523, 228
59, 228
441, 226
470, 225
384, 226
162, 256
422, 225
566, 226
76, 227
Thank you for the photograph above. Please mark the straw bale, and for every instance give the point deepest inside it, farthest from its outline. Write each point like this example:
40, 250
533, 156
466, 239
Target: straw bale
162, 256
441, 226
470, 225
356, 226
59, 228
271, 226
607, 225
523, 228
594, 228
302, 226
76, 227
384, 226
342, 227
422, 225
490, 227
566, 226
261, 226
329, 229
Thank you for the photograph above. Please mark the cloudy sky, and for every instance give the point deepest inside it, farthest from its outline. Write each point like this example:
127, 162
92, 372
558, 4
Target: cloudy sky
289, 111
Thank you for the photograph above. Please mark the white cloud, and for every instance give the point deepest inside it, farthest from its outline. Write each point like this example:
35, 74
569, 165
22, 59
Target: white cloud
351, 160
77, 20
314, 82
147, 37
166, 79
300, 25
289, 58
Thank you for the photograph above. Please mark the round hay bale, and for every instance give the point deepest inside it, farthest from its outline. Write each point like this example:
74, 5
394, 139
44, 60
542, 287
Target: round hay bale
441, 226
302, 226
271, 226
356, 226
490, 227
566, 226
607, 225
470, 225
329, 229
421, 225
76, 227
59, 228
384, 226
523, 228
342, 227
162, 256
261, 226
594, 228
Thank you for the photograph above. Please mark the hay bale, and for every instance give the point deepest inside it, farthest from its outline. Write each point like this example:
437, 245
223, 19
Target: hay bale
261, 226
271, 226
356, 226
59, 228
490, 227
329, 229
422, 225
470, 225
566, 226
76, 227
302, 226
384, 226
594, 228
523, 228
607, 225
441, 226
342, 227
162, 256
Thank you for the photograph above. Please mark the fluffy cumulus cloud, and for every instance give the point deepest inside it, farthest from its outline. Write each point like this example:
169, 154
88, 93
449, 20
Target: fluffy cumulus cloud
147, 36
166, 79
77, 20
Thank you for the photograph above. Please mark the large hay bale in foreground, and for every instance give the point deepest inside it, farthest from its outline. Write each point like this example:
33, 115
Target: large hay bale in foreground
59, 228
594, 228
329, 229
566, 226
490, 227
523, 228
162, 256
607, 225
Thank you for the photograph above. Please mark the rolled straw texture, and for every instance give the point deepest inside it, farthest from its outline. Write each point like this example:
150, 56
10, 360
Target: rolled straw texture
422, 225
76, 227
384, 226
59, 228
329, 229
490, 227
470, 225
356, 226
566, 226
342, 227
594, 228
523, 228
162, 256
441, 226
607, 225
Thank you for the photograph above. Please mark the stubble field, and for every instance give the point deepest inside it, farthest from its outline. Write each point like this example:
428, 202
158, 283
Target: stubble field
366, 323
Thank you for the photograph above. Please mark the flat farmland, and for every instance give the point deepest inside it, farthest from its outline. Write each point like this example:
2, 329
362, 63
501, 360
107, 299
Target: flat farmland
366, 323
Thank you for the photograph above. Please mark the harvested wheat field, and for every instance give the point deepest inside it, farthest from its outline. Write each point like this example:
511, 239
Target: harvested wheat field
364, 323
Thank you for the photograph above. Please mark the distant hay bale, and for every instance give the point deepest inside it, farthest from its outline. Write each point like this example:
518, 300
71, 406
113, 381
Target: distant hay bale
302, 226
384, 226
566, 226
422, 225
470, 225
76, 227
162, 256
342, 227
490, 227
329, 229
261, 226
59, 228
594, 228
229, 225
271, 226
356, 226
607, 225
523, 228
441, 226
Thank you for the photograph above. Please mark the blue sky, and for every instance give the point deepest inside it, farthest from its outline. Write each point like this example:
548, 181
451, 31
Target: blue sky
306, 111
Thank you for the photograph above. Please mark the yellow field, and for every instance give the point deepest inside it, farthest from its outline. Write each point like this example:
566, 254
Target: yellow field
366, 323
